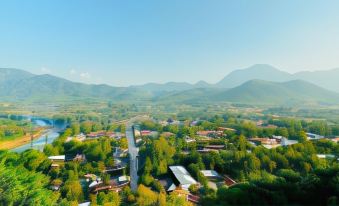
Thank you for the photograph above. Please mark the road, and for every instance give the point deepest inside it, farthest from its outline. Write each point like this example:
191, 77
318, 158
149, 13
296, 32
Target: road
133, 154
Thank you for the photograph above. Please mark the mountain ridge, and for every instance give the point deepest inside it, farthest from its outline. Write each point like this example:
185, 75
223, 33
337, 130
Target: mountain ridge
19, 85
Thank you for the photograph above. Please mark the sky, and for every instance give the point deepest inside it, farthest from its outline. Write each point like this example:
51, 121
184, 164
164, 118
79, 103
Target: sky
132, 42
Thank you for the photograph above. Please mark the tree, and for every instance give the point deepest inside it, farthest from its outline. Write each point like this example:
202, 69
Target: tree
75, 128
175, 200
302, 137
146, 196
19, 186
72, 190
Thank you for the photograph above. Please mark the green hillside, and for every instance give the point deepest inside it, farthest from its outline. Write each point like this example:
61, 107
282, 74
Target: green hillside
17, 85
260, 92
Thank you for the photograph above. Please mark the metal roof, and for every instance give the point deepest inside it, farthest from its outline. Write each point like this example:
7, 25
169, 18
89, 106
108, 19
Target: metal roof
182, 175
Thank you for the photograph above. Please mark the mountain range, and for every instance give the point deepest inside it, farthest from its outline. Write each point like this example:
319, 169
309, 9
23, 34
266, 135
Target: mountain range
19, 85
327, 79
259, 92
259, 84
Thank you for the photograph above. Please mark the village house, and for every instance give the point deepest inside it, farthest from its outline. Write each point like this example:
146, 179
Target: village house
182, 177
80, 137
226, 129
57, 160
311, 136
116, 184
210, 134
167, 134
189, 139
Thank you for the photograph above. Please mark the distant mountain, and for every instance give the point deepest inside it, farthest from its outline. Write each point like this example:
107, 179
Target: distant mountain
20, 85
158, 88
258, 71
295, 91
170, 86
328, 79
260, 92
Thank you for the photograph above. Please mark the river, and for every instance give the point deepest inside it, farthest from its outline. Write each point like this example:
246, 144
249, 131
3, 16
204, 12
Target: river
40, 142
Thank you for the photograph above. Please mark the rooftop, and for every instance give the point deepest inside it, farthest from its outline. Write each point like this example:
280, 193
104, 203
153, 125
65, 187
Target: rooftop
209, 173
182, 175
58, 157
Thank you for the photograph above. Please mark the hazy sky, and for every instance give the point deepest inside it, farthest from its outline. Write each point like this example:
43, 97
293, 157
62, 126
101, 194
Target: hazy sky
132, 42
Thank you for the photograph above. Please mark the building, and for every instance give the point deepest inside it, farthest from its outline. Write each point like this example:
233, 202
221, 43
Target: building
189, 139
286, 142
263, 141
182, 177
80, 137
215, 147
167, 134
57, 159
311, 136
116, 185
226, 129
335, 139
76, 158
210, 174
85, 204
325, 156
96, 134
210, 133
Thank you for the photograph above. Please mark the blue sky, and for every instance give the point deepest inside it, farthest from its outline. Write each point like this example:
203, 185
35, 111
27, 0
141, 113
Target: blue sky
134, 42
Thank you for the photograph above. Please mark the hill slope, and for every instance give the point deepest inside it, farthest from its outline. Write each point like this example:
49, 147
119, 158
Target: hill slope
19, 85
260, 92
328, 79
258, 71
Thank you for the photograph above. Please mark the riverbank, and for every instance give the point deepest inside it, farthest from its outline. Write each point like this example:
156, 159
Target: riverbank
11, 144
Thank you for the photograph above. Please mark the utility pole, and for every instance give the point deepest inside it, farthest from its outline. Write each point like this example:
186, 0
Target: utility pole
46, 139
32, 137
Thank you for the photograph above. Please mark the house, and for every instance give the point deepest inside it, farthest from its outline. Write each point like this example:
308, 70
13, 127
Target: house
286, 142
123, 180
80, 137
194, 123
226, 129
210, 174
56, 160
90, 177
85, 204
188, 196
214, 179
182, 177
114, 185
189, 139
215, 147
210, 133
263, 141
145, 132
325, 156
76, 158
167, 134
278, 138
311, 136
229, 181
96, 134
335, 139
163, 123
95, 183
259, 123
